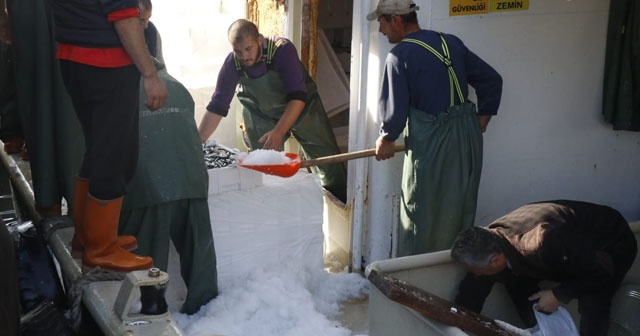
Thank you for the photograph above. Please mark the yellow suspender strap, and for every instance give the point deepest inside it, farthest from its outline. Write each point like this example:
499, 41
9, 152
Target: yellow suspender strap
446, 59
272, 46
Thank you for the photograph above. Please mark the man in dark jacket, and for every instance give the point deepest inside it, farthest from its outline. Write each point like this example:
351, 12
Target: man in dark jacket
102, 55
585, 248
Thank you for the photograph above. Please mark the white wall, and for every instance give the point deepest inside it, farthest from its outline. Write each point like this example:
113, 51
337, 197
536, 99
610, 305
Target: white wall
549, 140
194, 44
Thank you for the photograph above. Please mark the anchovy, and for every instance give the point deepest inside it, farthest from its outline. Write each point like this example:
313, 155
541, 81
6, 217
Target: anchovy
218, 157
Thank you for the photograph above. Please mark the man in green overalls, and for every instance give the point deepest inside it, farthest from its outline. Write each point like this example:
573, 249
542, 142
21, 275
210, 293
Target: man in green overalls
167, 197
424, 89
279, 100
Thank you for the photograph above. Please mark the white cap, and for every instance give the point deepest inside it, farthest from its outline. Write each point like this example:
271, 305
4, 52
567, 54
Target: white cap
395, 7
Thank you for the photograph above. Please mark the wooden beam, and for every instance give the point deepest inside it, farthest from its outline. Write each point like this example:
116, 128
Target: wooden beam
312, 67
434, 307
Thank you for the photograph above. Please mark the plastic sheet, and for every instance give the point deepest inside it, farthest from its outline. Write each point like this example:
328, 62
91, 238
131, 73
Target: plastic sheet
276, 223
554, 324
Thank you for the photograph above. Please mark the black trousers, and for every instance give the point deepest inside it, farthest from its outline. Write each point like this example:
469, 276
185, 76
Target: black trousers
473, 290
595, 309
106, 101
9, 294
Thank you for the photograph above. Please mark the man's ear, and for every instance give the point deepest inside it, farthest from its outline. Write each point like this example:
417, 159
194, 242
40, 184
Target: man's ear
496, 260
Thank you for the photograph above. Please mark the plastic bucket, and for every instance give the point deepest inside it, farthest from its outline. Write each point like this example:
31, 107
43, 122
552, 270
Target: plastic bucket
625, 311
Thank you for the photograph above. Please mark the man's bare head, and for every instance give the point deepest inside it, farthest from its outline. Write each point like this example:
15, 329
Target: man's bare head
242, 29
246, 42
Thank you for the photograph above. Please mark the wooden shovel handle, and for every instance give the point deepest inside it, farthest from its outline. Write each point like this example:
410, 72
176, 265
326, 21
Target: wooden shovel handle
342, 157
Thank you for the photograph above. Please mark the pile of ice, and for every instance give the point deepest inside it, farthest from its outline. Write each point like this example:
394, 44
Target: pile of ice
263, 157
278, 301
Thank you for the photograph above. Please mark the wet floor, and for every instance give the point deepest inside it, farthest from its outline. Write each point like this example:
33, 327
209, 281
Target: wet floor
355, 316
355, 312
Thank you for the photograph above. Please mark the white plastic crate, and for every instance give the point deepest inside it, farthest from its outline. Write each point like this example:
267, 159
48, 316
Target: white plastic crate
232, 178
277, 223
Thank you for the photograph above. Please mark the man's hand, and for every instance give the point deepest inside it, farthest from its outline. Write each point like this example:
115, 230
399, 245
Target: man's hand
483, 120
155, 90
272, 140
384, 149
547, 302
131, 35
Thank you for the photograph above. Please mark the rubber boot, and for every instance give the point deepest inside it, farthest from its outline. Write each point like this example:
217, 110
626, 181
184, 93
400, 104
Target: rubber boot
49, 211
81, 191
100, 238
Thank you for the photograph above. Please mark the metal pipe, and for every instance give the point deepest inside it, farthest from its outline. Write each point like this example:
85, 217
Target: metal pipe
358, 170
20, 184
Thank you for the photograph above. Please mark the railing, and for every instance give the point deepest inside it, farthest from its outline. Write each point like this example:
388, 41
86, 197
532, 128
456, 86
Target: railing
99, 297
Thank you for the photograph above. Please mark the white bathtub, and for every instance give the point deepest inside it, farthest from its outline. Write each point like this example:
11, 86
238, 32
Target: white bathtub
437, 274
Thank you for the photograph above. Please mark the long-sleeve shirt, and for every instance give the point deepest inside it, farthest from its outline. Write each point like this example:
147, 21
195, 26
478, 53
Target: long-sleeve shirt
414, 77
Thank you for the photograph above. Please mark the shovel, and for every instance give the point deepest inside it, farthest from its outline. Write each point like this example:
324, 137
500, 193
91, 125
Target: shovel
291, 168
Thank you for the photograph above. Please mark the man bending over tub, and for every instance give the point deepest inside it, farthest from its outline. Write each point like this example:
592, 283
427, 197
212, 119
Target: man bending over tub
586, 248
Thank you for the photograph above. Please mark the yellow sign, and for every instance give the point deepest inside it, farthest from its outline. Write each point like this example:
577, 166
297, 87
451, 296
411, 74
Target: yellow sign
468, 7
472, 7
509, 5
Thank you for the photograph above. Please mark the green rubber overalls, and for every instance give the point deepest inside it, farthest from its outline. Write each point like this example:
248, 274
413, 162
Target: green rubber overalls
441, 172
167, 198
264, 101
52, 131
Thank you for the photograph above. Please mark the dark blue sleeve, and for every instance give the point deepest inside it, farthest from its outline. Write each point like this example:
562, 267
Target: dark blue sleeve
110, 6
393, 107
151, 37
486, 81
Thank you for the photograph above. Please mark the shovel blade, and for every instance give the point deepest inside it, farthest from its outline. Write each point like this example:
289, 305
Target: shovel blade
282, 170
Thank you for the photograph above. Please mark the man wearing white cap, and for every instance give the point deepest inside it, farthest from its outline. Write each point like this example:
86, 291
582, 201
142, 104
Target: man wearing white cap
425, 88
